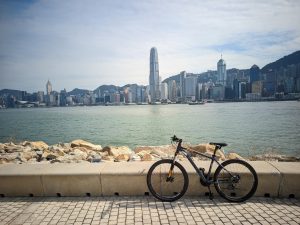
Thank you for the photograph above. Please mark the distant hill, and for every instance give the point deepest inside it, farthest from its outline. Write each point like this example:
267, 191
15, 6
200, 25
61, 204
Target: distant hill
78, 91
293, 58
106, 88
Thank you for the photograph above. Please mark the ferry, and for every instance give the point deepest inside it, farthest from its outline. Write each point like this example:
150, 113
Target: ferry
197, 103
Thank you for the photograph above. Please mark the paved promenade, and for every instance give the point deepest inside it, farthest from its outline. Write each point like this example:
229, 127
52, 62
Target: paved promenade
146, 210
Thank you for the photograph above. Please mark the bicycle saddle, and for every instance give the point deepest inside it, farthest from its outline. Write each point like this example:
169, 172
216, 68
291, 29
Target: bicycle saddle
219, 144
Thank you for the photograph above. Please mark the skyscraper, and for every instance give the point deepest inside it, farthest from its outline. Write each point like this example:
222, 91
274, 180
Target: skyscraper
182, 85
222, 75
254, 73
190, 88
48, 88
154, 76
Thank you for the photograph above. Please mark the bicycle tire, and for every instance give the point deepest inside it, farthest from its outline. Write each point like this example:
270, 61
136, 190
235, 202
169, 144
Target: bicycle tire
246, 183
160, 188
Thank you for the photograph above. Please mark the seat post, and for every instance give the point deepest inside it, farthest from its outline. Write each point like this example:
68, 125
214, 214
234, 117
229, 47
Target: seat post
216, 149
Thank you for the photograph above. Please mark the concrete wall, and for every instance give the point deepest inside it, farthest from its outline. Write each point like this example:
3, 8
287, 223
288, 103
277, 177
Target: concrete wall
276, 179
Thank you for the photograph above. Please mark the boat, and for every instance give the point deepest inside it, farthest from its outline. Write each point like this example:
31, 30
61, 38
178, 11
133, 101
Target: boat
196, 103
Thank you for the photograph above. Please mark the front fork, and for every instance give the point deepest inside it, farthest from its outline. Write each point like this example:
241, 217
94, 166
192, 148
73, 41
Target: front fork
170, 177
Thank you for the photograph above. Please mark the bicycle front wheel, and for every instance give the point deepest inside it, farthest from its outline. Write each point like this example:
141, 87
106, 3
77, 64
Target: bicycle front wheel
164, 187
235, 180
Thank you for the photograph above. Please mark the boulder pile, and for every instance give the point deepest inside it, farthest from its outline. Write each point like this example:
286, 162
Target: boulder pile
79, 151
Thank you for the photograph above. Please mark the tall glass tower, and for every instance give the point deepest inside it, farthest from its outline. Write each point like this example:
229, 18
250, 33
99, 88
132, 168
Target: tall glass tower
154, 76
222, 75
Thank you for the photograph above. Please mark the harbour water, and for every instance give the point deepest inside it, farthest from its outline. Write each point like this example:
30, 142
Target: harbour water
248, 127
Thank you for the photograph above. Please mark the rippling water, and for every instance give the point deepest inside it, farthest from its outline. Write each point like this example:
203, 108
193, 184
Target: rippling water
248, 128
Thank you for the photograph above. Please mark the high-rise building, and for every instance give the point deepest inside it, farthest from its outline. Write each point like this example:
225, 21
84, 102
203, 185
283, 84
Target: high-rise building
49, 96
48, 88
254, 75
190, 88
154, 76
182, 85
172, 90
164, 91
222, 74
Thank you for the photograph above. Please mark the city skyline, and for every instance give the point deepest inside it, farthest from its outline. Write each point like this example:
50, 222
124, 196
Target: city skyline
74, 43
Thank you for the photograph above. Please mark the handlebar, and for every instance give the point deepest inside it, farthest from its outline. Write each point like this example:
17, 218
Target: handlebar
176, 139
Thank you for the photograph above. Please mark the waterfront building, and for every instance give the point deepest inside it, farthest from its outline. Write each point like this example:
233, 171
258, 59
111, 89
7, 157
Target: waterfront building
190, 88
63, 97
49, 98
172, 90
40, 96
242, 90
182, 84
154, 76
69, 100
219, 89
257, 87
254, 75
218, 92
138, 97
164, 91
222, 74
48, 88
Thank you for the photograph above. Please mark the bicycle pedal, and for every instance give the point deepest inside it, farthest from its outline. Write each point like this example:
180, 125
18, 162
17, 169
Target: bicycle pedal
211, 196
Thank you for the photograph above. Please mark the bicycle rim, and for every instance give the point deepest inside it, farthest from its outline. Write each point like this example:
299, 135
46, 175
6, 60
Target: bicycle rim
163, 189
236, 180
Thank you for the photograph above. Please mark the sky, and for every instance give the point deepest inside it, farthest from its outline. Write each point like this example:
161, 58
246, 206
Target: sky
88, 43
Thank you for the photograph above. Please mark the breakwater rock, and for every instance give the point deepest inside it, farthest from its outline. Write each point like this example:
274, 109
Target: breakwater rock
80, 151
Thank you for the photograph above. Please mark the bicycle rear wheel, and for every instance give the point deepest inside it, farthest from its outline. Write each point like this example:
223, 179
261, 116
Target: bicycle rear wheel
162, 188
235, 180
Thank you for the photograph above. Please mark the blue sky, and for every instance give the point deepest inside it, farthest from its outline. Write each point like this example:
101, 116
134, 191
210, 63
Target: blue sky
93, 42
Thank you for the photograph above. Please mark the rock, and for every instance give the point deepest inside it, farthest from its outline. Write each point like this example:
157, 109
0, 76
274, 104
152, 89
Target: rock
51, 157
115, 151
233, 155
32, 160
39, 153
147, 157
55, 161
80, 155
36, 145
122, 158
57, 150
108, 158
164, 151
135, 157
147, 149
96, 159
202, 148
85, 144
28, 155
142, 153
9, 157
11, 148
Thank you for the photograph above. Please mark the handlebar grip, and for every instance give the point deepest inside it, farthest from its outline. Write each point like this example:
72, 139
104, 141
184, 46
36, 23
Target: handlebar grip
174, 138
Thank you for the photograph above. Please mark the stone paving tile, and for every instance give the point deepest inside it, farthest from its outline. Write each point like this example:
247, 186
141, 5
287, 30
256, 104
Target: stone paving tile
146, 210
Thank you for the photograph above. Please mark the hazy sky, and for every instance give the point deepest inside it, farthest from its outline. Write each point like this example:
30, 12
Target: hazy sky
88, 43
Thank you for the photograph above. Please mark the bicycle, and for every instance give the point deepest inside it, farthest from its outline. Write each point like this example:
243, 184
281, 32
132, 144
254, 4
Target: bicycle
234, 179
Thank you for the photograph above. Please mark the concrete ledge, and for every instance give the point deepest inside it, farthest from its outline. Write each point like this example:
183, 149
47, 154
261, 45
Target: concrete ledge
289, 178
276, 179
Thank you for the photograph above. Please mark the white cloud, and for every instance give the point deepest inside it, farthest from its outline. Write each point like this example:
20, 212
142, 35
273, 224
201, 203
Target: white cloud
89, 43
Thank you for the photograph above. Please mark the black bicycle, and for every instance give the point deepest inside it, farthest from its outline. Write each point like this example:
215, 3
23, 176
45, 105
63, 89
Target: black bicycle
234, 180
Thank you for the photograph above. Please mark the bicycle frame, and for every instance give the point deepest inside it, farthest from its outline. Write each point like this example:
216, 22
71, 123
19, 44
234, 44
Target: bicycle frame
188, 155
